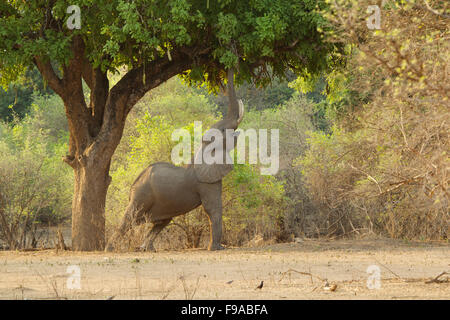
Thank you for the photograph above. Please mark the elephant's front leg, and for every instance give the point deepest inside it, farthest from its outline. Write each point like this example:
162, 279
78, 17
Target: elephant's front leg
211, 196
215, 223
212, 203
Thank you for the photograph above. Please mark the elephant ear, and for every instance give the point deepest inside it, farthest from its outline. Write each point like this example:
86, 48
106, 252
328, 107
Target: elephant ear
210, 173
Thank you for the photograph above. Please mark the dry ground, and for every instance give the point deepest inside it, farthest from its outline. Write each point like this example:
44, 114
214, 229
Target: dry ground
234, 273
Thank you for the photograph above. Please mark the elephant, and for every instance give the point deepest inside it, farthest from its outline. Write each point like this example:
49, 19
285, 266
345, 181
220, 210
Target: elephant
163, 191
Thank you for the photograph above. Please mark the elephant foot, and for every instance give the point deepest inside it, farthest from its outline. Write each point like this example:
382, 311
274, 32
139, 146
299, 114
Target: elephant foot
215, 247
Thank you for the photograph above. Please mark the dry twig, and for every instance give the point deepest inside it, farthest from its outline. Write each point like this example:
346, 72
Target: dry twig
436, 279
303, 273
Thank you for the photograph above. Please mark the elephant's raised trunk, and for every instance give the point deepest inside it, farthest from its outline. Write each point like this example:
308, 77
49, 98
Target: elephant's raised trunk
235, 106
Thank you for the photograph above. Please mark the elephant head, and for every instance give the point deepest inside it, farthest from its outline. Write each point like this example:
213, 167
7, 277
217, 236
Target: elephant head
212, 161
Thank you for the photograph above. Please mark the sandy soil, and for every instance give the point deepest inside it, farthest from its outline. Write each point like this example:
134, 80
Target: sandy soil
233, 273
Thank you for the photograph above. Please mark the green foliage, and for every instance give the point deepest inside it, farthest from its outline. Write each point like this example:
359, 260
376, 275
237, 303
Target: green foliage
17, 99
256, 98
253, 205
35, 185
120, 33
294, 119
334, 92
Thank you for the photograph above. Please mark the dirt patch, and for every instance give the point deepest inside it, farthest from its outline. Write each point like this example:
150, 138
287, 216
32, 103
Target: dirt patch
233, 273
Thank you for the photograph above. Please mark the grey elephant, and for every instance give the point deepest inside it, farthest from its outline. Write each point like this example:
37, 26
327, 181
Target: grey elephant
163, 191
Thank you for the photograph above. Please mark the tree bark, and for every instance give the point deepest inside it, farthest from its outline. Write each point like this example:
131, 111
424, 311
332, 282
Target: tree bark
88, 206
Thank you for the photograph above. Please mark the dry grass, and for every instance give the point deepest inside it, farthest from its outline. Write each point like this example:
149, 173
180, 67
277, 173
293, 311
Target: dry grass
234, 273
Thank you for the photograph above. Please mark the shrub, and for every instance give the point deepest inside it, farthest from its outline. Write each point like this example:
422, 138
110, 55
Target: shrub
35, 188
391, 164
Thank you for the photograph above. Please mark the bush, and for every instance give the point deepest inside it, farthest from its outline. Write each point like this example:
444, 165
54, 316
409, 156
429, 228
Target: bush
294, 119
387, 170
35, 185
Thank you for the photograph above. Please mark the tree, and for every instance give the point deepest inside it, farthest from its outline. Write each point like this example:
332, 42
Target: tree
153, 41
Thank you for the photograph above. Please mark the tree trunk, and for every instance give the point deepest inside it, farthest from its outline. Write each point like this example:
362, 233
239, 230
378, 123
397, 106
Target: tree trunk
88, 206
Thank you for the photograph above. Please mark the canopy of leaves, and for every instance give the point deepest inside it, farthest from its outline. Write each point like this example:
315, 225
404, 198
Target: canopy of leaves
255, 34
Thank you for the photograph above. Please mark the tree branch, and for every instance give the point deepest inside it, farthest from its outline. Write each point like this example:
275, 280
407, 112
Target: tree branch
130, 89
87, 72
434, 11
77, 111
45, 68
98, 98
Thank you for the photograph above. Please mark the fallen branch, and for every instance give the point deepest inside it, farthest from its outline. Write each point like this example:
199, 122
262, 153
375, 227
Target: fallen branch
389, 270
436, 279
303, 273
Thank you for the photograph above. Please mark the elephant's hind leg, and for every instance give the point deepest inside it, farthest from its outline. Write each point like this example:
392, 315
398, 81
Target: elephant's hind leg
131, 217
153, 233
